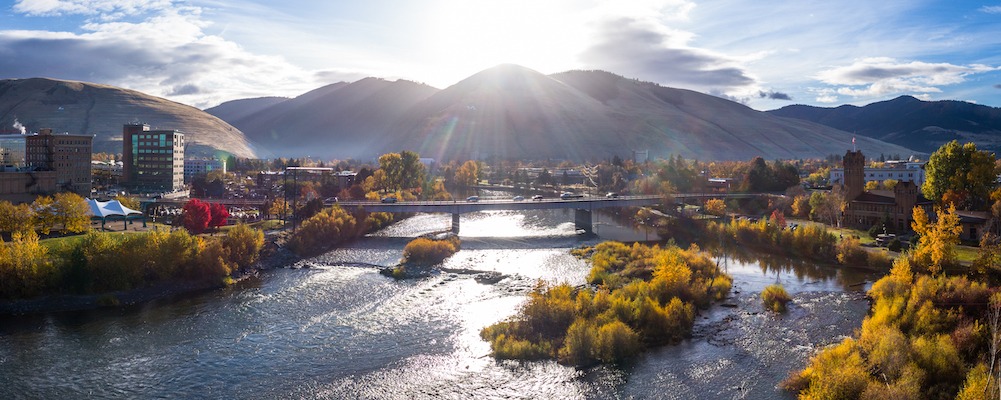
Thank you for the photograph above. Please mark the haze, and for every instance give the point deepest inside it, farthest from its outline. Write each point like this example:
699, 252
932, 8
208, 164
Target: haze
203, 53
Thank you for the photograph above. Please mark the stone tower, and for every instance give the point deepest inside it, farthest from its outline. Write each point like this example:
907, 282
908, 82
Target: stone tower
854, 163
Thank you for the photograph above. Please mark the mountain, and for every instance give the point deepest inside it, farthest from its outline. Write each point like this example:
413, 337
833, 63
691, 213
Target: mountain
237, 109
101, 110
921, 125
338, 120
514, 112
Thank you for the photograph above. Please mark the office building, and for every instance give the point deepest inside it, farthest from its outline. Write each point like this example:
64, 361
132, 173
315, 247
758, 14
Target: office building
152, 160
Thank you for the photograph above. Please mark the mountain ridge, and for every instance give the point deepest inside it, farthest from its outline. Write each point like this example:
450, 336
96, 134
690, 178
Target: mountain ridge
101, 110
906, 120
510, 111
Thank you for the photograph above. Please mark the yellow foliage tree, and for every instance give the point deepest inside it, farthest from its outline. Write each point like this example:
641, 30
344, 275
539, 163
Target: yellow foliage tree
71, 211
15, 219
938, 239
715, 207
43, 214
466, 175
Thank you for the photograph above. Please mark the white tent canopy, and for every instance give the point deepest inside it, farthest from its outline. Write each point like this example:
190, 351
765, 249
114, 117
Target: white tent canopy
106, 209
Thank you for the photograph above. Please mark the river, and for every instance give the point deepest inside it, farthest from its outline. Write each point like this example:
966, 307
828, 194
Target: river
348, 332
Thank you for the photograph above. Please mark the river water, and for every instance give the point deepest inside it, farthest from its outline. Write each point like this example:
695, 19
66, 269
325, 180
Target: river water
339, 331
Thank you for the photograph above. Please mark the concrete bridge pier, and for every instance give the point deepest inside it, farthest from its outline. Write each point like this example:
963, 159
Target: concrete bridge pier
455, 223
581, 220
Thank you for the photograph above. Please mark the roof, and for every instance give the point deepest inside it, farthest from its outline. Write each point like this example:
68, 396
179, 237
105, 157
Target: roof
108, 208
885, 197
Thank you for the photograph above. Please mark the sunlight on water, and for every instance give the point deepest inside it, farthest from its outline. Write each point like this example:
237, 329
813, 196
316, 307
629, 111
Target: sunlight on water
344, 331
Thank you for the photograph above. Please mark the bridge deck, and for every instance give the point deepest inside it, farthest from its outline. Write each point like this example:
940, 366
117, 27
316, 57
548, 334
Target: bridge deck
462, 207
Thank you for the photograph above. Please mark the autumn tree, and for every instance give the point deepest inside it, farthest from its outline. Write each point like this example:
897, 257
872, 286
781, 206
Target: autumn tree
801, 206
466, 174
827, 206
937, 246
196, 216
15, 219
715, 207
43, 214
218, 215
71, 211
960, 168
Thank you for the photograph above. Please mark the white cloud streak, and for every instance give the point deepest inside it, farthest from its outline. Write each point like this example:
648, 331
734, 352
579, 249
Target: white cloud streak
166, 54
886, 76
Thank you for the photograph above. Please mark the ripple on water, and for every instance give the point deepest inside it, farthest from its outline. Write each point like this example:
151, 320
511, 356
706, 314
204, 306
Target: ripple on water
348, 332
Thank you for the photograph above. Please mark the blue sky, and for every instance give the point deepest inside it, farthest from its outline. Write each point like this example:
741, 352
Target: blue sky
766, 54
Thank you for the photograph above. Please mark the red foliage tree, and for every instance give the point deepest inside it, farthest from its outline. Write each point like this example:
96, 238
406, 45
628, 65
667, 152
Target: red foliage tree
196, 216
219, 215
779, 218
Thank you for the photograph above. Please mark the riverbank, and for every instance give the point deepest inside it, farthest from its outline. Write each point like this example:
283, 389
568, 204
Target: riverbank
274, 255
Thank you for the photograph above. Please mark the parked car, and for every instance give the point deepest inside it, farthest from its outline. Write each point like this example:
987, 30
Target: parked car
612, 195
537, 197
518, 198
473, 199
388, 199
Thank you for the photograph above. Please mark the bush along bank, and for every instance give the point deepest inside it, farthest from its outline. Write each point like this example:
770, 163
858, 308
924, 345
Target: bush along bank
639, 296
137, 267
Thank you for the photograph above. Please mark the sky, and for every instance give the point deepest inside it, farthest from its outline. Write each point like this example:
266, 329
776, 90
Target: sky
765, 54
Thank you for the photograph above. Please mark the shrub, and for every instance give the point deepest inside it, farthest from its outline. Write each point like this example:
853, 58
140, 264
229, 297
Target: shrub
879, 260
775, 298
426, 251
616, 341
850, 252
327, 228
243, 244
25, 270
895, 245
578, 347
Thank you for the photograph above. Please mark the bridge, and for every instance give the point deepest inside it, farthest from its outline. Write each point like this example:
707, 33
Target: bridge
582, 207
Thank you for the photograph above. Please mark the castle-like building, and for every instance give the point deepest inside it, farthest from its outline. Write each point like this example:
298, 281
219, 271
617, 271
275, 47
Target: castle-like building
866, 208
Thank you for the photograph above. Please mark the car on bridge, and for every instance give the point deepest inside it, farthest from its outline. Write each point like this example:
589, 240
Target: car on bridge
568, 196
518, 198
388, 199
611, 195
537, 197
473, 199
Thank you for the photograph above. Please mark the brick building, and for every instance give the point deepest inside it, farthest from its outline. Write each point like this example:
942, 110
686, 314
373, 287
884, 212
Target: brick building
866, 208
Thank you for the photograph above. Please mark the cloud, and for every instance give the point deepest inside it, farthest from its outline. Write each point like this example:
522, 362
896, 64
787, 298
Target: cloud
997, 85
187, 89
991, 9
648, 51
773, 95
165, 54
104, 8
886, 76
334, 76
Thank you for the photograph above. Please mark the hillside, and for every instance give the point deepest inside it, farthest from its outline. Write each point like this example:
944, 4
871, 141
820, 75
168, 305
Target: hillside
101, 110
339, 120
921, 125
514, 112
237, 109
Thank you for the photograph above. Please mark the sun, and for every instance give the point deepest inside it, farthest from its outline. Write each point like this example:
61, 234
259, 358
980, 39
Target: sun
465, 37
